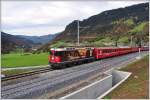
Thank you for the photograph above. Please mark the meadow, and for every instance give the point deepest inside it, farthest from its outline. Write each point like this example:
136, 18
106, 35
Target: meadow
23, 60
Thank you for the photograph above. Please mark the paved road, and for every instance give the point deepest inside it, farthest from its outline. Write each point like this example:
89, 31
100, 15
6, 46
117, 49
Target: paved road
53, 81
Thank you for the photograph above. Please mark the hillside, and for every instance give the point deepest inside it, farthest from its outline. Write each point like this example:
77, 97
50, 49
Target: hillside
11, 42
40, 39
107, 28
103, 23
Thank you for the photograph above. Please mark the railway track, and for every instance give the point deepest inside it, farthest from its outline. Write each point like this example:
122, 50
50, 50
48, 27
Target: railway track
25, 74
36, 87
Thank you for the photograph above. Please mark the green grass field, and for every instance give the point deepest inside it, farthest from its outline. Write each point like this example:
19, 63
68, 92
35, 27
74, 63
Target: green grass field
23, 60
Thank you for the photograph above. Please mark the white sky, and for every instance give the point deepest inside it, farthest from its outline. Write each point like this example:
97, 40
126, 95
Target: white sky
49, 17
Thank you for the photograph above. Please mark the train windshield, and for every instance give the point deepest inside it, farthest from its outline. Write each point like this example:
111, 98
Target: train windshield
58, 53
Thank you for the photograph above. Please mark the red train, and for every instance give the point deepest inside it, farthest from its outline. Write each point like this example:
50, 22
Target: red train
65, 57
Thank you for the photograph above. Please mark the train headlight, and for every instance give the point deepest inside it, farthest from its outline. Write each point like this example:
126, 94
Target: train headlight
52, 58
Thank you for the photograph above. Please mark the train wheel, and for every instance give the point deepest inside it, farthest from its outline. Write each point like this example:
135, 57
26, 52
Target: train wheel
79, 62
74, 63
68, 65
87, 61
54, 67
61, 66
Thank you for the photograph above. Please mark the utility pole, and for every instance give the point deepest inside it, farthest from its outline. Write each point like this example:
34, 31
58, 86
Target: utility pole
140, 52
141, 39
22, 50
131, 41
78, 31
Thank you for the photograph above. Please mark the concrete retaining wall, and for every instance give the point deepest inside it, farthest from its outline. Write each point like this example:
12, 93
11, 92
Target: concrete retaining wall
100, 88
87, 92
118, 77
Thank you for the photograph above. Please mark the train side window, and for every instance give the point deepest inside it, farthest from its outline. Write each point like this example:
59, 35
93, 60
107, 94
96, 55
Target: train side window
110, 50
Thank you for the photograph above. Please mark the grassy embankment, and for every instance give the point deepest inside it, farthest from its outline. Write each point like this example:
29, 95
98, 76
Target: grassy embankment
136, 86
23, 60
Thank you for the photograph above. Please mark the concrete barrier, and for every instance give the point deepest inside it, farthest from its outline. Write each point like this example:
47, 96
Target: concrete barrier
118, 77
93, 90
100, 88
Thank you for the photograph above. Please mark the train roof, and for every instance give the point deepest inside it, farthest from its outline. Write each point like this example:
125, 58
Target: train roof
111, 47
69, 49
77, 48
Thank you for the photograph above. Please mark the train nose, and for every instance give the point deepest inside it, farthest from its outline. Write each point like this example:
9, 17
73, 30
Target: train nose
51, 58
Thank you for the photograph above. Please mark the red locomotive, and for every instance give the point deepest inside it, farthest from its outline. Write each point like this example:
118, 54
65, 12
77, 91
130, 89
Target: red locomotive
64, 57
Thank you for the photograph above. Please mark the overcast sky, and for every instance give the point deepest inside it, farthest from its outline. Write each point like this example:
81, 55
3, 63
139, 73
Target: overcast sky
49, 17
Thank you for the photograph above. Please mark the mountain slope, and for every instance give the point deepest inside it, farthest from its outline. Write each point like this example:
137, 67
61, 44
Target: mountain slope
102, 23
112, 25
11, 42
40, 39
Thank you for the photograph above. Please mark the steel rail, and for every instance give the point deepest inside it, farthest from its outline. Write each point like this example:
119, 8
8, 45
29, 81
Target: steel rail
29, 73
